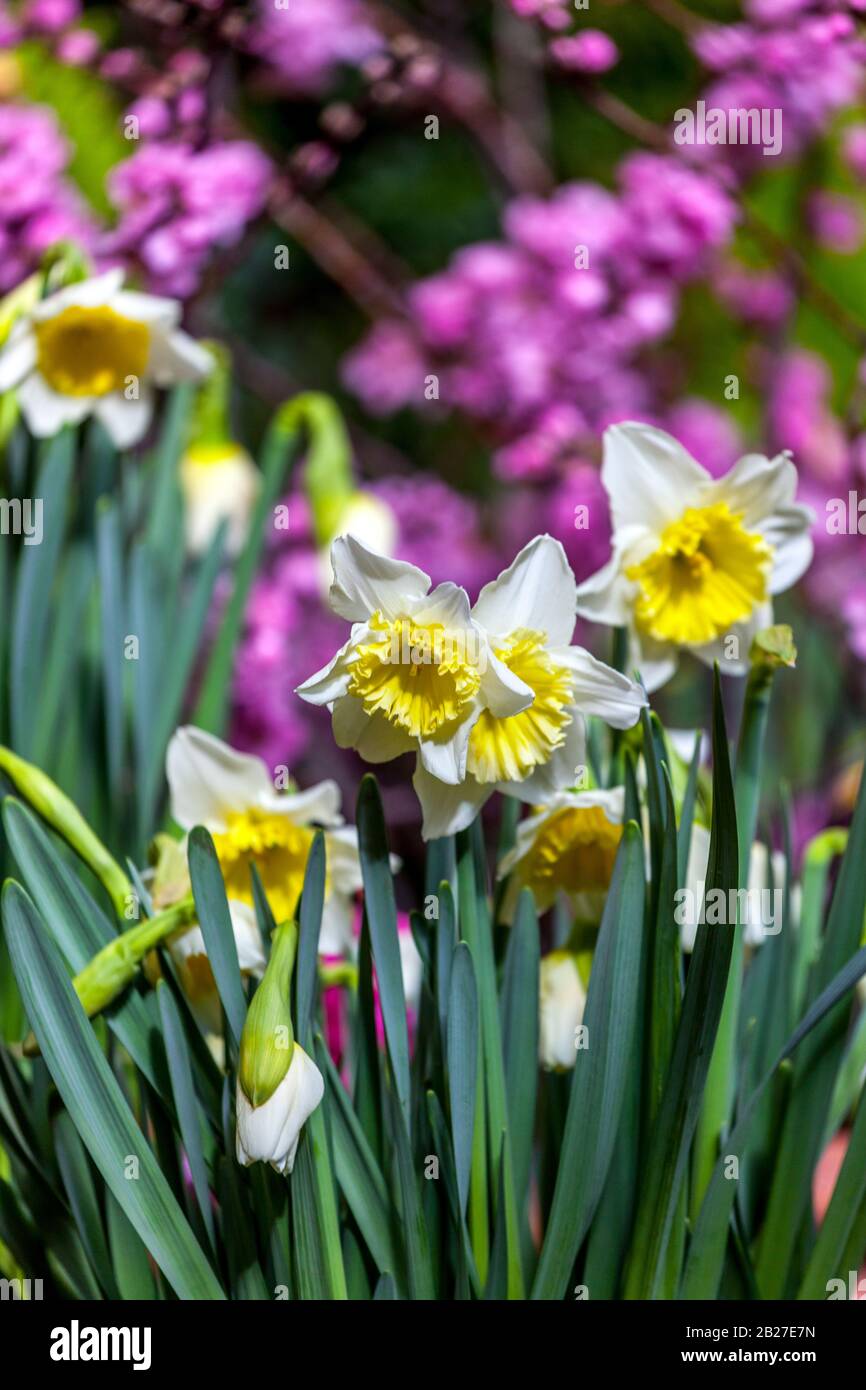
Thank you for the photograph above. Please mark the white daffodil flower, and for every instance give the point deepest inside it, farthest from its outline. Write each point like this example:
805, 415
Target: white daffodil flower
562, 998
696, 560
189, 953
566, 846
233, 796
220, 483
758, 908
528, 614
95, 348
416, 673
269, 1133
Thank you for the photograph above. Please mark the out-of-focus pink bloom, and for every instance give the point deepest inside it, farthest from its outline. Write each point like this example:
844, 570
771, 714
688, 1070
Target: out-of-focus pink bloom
578, 515
38, 205
178, 204
537, 335
590, 52
854, 149
78, 47
307, 41
801, 420
50, 16
758, 297
709, 433
836, 222
386, 370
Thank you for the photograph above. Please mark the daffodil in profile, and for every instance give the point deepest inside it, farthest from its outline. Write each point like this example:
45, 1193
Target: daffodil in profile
696, 560
234, 796
96, 348
566, 846
528, 617
416, 672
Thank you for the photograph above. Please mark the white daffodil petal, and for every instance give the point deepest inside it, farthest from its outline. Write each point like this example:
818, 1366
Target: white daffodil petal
600, 690
446, 758
504, 693
178, 357
344, 862
649, 477
208, 780
365, 582
85, 294
248, 939
18, 357
332, 681
691, 904
448, 604
270, 1133
46, 411
447, 809
537, 592
371, 735
606, 596
561, 1004
654, 662
317, 805
151, 309
756, 487
336, 931
125, 421
788, 532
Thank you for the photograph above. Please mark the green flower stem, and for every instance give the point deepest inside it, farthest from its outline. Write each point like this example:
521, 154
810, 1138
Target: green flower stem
719, 1092
62, 815
116, 965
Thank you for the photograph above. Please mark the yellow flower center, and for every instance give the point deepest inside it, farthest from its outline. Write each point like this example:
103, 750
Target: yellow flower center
278, 848
707, 574
508, 750
421, 677
91, 352
573, 852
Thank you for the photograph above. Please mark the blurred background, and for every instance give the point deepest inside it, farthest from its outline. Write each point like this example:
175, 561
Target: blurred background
472, 226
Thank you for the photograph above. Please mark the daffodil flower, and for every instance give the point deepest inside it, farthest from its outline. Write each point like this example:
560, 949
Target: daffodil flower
696, 560
95, 348
416, 672
270, 1132
233, 796
220, 483
561, 1002
567, 846
528, 616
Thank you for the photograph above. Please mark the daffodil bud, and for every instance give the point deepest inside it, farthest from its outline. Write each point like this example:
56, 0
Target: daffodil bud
773, 647
278, 1086
268, 1038
562, 998
62, 815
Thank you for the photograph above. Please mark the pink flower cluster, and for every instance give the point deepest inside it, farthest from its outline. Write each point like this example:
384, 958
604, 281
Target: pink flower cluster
802, 57
177, 204
539, 336
38, 204
305, 42
801, 419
